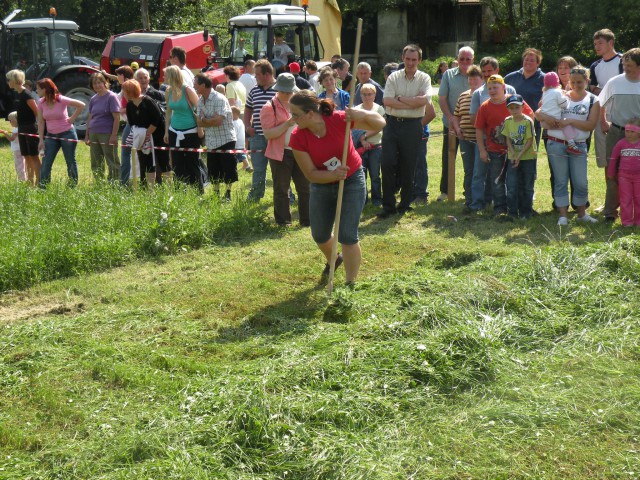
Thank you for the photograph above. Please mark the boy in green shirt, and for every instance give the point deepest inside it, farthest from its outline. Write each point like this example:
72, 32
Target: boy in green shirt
519, 132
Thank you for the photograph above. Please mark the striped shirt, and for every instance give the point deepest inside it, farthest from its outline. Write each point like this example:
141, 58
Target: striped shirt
257, 98
462, 112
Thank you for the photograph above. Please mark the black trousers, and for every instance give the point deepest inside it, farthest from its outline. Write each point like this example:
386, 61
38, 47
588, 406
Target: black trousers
186, 165
400, 144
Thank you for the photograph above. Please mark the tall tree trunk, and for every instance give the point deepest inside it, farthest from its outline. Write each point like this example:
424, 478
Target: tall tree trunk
511, 17
144, 10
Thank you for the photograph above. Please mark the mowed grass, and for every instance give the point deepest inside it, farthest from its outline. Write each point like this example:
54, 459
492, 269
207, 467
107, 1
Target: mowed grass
469, 349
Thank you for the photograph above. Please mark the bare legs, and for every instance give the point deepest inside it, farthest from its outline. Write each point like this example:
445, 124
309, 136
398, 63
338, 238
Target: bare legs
352, 255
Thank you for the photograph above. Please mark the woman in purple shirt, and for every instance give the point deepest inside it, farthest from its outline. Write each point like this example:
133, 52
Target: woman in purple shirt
52, 114
102, 128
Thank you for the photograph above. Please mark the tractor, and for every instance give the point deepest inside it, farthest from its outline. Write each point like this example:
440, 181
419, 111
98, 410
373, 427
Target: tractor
42, 48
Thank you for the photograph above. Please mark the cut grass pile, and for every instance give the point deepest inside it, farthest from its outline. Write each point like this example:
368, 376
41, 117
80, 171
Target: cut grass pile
465, 366
61, 231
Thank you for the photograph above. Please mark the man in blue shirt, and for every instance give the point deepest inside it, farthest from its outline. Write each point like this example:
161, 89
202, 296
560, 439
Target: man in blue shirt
529, 81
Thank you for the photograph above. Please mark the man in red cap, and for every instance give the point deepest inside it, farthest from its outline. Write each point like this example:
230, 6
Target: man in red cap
301, 83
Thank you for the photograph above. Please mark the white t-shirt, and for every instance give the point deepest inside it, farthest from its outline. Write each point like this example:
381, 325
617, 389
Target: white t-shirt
377, 138
553, 101
238, 125
579, 111
621, 98
187, 76
15, 143
248, 80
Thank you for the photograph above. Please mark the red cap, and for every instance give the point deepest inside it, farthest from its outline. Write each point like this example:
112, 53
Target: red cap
294, 67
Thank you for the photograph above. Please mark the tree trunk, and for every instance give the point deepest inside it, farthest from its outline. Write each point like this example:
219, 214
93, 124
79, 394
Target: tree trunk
144, 10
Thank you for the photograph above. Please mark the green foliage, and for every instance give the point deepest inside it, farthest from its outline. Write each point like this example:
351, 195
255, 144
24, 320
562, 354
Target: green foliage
62, 232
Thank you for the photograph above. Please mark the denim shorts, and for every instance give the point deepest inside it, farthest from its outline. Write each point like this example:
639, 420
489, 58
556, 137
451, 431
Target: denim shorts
322, 208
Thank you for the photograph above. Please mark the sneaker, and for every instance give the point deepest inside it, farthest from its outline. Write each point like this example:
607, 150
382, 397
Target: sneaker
386, 214
327, 267
227, 196
248, 169
587, 219
563, 222
442, 197
609, 219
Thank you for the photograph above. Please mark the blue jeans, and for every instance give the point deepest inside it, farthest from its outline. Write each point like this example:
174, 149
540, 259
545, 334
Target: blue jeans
125, 154
421, 177
371, 161
51, 148
568, 165
520, 181
322, 209
260, 162
468, 151
492, 173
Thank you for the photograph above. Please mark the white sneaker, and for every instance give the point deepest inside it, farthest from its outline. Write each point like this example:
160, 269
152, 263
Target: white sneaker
563, 222
442, 197
587, 218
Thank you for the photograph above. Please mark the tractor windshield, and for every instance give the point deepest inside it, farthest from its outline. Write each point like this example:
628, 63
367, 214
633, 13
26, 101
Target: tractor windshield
288, 43
36, 51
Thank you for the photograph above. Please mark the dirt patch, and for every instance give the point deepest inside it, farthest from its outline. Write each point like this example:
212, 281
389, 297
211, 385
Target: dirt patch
21, 311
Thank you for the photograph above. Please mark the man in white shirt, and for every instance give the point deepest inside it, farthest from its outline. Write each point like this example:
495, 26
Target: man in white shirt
407, 93
178, 57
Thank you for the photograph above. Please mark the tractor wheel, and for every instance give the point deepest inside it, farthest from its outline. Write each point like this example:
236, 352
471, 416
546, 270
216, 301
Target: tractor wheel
77, 88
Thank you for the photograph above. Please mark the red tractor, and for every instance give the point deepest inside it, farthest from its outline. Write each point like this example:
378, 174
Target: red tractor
150, 49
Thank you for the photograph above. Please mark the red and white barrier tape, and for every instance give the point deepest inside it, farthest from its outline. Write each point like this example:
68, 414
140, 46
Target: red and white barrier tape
172, 149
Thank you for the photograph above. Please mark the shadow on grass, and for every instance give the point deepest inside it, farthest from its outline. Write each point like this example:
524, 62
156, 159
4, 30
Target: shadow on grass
450, 220
292, 316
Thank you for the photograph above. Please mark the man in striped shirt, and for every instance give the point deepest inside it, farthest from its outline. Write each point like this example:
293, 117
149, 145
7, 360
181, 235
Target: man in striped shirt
465, 131
256, 99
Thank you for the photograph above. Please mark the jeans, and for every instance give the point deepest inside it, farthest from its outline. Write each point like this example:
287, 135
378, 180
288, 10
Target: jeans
260, 162
51, 148
493, 173
468, 151
567, 165
125, 156
322, 207
520, 181
421, 177
371, 161
444, 178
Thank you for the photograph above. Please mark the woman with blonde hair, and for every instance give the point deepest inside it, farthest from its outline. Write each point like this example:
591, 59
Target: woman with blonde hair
181, 129
27, 109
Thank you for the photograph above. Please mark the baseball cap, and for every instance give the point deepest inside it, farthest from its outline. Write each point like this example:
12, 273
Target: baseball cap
294, 67
496, 79
514, 99
134, 66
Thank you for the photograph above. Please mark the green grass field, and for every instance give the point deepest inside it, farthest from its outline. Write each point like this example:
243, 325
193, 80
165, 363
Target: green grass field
202, 346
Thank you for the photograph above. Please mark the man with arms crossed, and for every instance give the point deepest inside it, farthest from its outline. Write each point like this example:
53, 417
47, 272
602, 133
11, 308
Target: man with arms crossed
407, 93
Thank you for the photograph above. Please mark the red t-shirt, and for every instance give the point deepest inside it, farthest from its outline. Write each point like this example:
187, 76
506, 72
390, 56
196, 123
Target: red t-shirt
321, 150
491, 116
